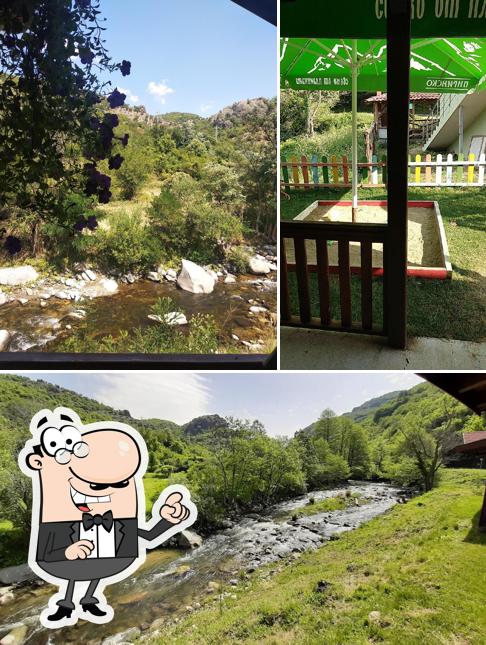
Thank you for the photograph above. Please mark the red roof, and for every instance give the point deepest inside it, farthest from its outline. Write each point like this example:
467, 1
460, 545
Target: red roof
414, 96
470, 437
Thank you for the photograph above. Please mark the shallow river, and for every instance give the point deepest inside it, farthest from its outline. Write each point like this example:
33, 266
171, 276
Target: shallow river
170, 580
39, 328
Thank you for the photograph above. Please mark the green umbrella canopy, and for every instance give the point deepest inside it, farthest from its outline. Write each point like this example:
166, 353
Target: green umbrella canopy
445, 65
367, 18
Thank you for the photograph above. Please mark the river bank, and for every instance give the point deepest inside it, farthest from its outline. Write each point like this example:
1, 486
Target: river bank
414, 575
40, 313
172, 584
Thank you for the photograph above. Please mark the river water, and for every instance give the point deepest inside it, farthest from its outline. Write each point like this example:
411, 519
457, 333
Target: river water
170, 580
39, 328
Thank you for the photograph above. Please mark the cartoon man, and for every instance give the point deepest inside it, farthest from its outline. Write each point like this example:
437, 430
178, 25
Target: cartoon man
88, 511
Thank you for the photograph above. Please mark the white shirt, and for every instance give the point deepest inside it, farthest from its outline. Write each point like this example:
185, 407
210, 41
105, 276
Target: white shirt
103, 540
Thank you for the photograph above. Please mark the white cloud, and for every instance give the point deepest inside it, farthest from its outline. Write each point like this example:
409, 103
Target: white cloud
160, 90
131, 97
205, 108
178, 397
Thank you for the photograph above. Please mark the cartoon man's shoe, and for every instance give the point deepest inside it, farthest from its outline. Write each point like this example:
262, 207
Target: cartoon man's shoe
60, 614
92, 608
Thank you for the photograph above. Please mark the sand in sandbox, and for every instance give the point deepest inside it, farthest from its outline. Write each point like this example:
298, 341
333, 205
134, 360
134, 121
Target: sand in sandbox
423, 235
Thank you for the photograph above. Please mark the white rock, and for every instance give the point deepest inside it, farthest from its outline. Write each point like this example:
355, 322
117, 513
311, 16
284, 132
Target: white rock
235, 337
130, 278
188, 539
89, 275
16, 636
14, 276
123, 637
273, 267
258, 310
70, 282
3, 298
258, 265
22, 301
230, 279
195, 279
43, 303
62, 295
4, 339
170, 278
172, 273
154, 276
172, 318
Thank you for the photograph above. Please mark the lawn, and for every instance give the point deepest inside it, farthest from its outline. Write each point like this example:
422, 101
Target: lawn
440, 308
415, 575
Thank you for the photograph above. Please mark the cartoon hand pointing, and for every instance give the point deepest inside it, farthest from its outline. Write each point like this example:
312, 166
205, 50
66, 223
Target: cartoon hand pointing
173, 510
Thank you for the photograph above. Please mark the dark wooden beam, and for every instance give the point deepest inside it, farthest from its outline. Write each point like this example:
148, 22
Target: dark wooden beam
266, 9
59, 361
398, 90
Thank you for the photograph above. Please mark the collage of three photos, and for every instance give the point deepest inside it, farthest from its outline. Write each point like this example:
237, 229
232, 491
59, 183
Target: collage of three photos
242, 322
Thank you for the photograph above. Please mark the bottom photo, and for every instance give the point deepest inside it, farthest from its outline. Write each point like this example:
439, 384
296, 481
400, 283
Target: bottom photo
335, 508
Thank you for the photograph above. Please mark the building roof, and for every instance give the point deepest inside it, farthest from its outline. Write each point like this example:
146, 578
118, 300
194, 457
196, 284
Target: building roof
470, 446
414, 96
467, 387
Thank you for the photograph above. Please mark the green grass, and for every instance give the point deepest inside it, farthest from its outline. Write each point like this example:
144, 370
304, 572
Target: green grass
153, 486
421, 566
338, 503
439, 308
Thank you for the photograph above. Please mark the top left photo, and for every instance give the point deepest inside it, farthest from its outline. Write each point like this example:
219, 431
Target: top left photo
138, 184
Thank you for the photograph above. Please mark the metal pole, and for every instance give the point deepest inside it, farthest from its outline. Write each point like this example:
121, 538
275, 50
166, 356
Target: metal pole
461, 130
354, 102
398, 81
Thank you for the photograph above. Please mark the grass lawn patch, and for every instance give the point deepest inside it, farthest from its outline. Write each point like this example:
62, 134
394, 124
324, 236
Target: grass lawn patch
414, 575
439, 308
153, 486
338, 503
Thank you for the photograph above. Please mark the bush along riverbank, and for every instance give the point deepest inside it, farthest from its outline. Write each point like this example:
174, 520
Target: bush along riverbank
46, 309
415, 575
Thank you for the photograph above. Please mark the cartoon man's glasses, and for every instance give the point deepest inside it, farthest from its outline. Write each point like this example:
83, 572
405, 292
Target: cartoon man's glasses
63, 443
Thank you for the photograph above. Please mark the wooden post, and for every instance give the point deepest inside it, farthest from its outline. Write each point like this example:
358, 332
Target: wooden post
482, 517
398, 81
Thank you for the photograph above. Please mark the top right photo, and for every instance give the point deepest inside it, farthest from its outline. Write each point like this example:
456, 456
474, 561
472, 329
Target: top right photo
382, 184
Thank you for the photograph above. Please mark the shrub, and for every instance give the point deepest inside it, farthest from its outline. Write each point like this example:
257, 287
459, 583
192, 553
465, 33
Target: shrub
238, 259
136, 167
191, 228
127, 245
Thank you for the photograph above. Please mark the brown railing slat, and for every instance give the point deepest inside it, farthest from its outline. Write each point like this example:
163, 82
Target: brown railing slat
323, 281
302, 279
366, 286
344, 282
285, 312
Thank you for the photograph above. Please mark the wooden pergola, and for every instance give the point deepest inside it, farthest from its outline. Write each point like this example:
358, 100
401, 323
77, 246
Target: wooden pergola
469, 389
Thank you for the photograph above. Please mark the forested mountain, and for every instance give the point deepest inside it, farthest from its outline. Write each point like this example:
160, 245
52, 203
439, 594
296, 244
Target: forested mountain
363, 410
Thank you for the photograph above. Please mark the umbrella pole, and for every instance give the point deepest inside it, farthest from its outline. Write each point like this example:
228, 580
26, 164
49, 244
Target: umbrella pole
354, 101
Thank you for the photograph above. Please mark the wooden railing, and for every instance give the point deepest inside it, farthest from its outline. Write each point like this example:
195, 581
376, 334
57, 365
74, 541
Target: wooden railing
311, 239
443, 171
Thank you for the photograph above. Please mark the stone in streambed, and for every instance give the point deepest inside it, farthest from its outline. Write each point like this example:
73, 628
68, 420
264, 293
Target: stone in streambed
173, 318
14, 276
258, 265
4, 339
188, 540
123, 637
104, 287
3, 298
153, 276
16, 636
230, 279
195, 279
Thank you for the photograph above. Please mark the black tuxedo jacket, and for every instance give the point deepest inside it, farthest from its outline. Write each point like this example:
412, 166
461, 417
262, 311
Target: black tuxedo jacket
55, 537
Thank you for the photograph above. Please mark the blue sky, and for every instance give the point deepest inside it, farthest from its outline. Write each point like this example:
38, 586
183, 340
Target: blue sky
190, 55
283, 402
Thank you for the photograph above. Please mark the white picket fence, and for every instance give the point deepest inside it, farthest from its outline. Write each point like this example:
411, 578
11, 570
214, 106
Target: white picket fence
445, 171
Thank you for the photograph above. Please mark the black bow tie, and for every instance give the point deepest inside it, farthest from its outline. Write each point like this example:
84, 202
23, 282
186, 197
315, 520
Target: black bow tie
95, 520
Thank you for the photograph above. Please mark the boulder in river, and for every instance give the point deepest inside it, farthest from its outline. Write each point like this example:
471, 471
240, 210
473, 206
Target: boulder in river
123, 637
16, 636
104, 287
258, 265
14, 276
4, 339
195, 279
16, 574
153, 276
173, 318
230, 279
188, 540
